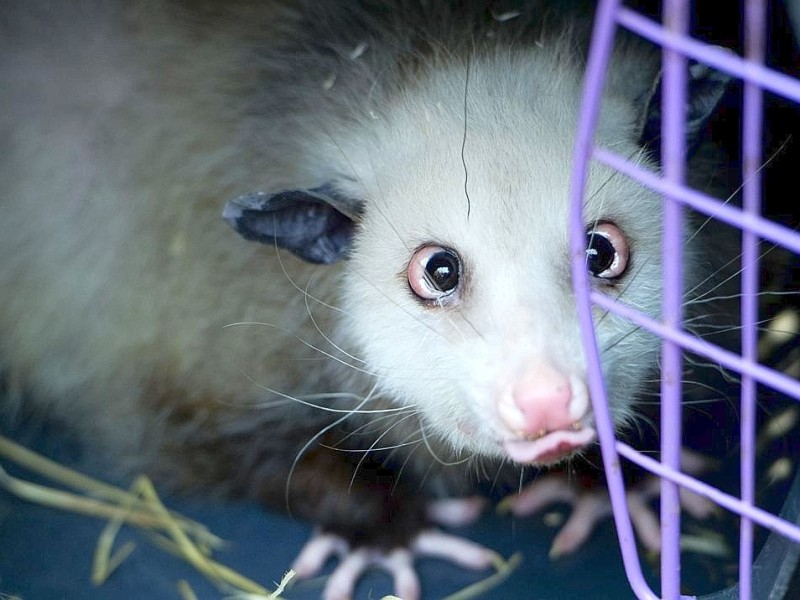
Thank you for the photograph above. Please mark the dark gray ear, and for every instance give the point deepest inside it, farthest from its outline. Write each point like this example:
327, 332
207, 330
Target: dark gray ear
317, 224
706, 88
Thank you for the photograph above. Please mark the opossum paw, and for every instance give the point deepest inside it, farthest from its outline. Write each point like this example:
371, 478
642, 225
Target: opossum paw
592, 505
398, 562
456, 512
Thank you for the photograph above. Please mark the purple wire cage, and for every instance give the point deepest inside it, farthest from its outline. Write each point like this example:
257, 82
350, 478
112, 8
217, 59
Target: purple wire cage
755, 579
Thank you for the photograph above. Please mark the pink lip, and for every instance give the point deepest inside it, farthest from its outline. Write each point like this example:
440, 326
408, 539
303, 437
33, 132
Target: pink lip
549, 449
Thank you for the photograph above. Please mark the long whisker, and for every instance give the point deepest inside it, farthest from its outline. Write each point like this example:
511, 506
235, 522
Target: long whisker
325, 337
474, 329
322, 407
741, 186
619, 293
435, 456
404, 465
302, 341
313, 439
405, 310
303, 291
730, 277
374, 448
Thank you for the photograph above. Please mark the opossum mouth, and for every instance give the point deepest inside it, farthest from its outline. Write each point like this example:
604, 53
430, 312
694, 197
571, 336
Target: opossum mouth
550, 449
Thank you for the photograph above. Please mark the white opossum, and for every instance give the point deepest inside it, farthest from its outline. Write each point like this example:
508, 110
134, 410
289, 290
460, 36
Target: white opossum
427, 143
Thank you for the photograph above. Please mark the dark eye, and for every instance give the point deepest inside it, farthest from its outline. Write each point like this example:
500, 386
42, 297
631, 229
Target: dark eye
606, 251
434, 272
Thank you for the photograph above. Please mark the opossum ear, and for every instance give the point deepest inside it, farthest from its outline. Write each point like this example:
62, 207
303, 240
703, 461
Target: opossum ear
706, 88
316, 225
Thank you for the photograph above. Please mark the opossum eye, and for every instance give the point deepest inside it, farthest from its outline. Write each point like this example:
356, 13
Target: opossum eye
434, 272
606, 251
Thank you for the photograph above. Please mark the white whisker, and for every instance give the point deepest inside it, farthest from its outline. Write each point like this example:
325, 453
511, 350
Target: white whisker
313, 439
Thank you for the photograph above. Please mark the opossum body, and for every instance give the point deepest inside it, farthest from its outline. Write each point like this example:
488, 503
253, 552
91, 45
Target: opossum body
427, 144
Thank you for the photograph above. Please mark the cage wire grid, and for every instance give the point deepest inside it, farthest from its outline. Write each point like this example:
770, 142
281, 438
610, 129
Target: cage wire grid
770, 573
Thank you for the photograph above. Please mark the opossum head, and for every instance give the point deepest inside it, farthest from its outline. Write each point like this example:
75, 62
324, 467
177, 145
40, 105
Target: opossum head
452, 211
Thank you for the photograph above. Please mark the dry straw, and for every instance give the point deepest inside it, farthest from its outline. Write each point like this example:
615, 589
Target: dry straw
141, 507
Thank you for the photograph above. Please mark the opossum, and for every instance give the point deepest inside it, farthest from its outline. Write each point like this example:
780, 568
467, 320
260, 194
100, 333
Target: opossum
406, 322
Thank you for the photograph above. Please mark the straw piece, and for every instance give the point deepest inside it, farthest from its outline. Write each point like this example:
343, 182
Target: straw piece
706, 545
216, 572
186, 591
287, 579
53, 498
104, 563
780, 470
143, 509
503, 568
114, 561
284, 583
189, 551
65, 476
40, 494
59, 473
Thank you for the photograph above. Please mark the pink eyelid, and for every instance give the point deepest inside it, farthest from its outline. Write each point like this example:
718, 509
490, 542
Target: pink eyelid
417, 277
620, 244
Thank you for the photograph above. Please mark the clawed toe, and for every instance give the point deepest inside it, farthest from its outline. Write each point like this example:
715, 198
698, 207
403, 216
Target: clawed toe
591, 506
398, 562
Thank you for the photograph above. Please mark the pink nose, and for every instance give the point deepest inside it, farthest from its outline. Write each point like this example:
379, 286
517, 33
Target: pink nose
541, 401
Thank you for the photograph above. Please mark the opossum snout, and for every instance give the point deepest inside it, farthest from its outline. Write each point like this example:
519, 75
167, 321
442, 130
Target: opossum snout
542, 400
545, 410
